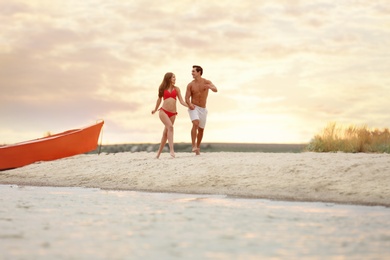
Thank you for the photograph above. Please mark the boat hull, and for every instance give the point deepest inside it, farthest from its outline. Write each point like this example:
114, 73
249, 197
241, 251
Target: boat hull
50, 148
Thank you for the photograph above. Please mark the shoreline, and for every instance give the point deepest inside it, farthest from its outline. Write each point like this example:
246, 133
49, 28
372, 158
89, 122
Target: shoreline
206, 147
359, 179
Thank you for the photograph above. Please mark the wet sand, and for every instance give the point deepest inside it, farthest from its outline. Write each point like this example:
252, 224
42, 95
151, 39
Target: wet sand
82, 223
329, 177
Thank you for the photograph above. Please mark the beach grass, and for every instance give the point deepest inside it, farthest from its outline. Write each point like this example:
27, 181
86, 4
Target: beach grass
350, 139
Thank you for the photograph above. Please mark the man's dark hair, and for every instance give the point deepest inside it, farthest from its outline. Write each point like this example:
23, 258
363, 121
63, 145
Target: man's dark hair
198, 69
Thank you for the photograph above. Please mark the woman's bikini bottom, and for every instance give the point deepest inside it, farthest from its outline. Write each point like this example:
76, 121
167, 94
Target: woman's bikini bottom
169, 114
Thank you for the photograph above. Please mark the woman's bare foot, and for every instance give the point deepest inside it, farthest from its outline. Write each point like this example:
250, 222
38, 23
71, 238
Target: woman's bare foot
172, 154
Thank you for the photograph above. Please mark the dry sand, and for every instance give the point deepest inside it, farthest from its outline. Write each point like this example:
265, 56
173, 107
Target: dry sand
327, 177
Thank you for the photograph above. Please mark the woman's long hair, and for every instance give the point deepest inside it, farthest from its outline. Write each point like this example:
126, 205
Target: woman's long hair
165, 84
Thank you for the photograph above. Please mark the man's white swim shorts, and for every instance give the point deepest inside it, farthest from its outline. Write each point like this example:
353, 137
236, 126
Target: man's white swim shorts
199, 113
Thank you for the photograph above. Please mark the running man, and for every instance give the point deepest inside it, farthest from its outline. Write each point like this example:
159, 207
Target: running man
196, 97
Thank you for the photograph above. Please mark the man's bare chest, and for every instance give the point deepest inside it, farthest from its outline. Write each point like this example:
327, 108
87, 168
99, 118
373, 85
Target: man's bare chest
199, 89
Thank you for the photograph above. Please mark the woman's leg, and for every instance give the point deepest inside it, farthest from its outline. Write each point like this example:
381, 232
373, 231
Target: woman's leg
168, 122
163, 142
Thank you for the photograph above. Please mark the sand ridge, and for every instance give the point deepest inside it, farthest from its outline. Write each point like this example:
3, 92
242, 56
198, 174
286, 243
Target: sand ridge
327, 177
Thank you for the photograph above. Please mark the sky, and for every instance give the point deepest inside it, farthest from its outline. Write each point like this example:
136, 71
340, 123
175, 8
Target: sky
284, 69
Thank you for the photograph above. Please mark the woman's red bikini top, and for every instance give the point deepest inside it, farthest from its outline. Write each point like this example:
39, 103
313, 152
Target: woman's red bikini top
171, 94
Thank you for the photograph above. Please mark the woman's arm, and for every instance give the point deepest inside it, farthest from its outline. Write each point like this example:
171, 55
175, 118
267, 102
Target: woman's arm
187, 97
180, 97
158, 102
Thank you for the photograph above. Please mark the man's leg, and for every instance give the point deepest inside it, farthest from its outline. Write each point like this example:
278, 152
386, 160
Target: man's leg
194, 133
201, 126
199, 139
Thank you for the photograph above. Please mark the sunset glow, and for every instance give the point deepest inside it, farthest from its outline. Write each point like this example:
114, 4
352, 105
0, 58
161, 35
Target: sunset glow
284, 69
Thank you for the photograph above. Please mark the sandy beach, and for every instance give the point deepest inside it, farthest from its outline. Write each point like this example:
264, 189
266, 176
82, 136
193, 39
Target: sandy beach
329, 177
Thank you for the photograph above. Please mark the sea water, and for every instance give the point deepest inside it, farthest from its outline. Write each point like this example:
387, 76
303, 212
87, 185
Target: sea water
81, 223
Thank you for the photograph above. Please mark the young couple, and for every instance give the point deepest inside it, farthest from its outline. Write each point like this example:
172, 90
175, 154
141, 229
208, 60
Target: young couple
195, 100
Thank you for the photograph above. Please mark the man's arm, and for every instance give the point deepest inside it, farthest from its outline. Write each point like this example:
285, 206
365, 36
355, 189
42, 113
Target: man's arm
211, 86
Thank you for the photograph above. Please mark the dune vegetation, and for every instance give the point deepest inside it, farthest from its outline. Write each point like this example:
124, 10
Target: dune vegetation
350, 139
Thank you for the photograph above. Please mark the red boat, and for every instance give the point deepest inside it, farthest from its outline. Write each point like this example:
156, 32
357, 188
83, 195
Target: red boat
65, 144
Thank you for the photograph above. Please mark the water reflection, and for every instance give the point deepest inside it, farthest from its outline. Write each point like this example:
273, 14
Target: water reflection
79, 223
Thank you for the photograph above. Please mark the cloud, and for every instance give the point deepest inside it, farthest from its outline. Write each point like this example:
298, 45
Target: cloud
283, 64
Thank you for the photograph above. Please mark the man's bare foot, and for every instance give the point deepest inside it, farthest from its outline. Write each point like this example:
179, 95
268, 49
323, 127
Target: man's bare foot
197, 152
194, 149
172, 155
